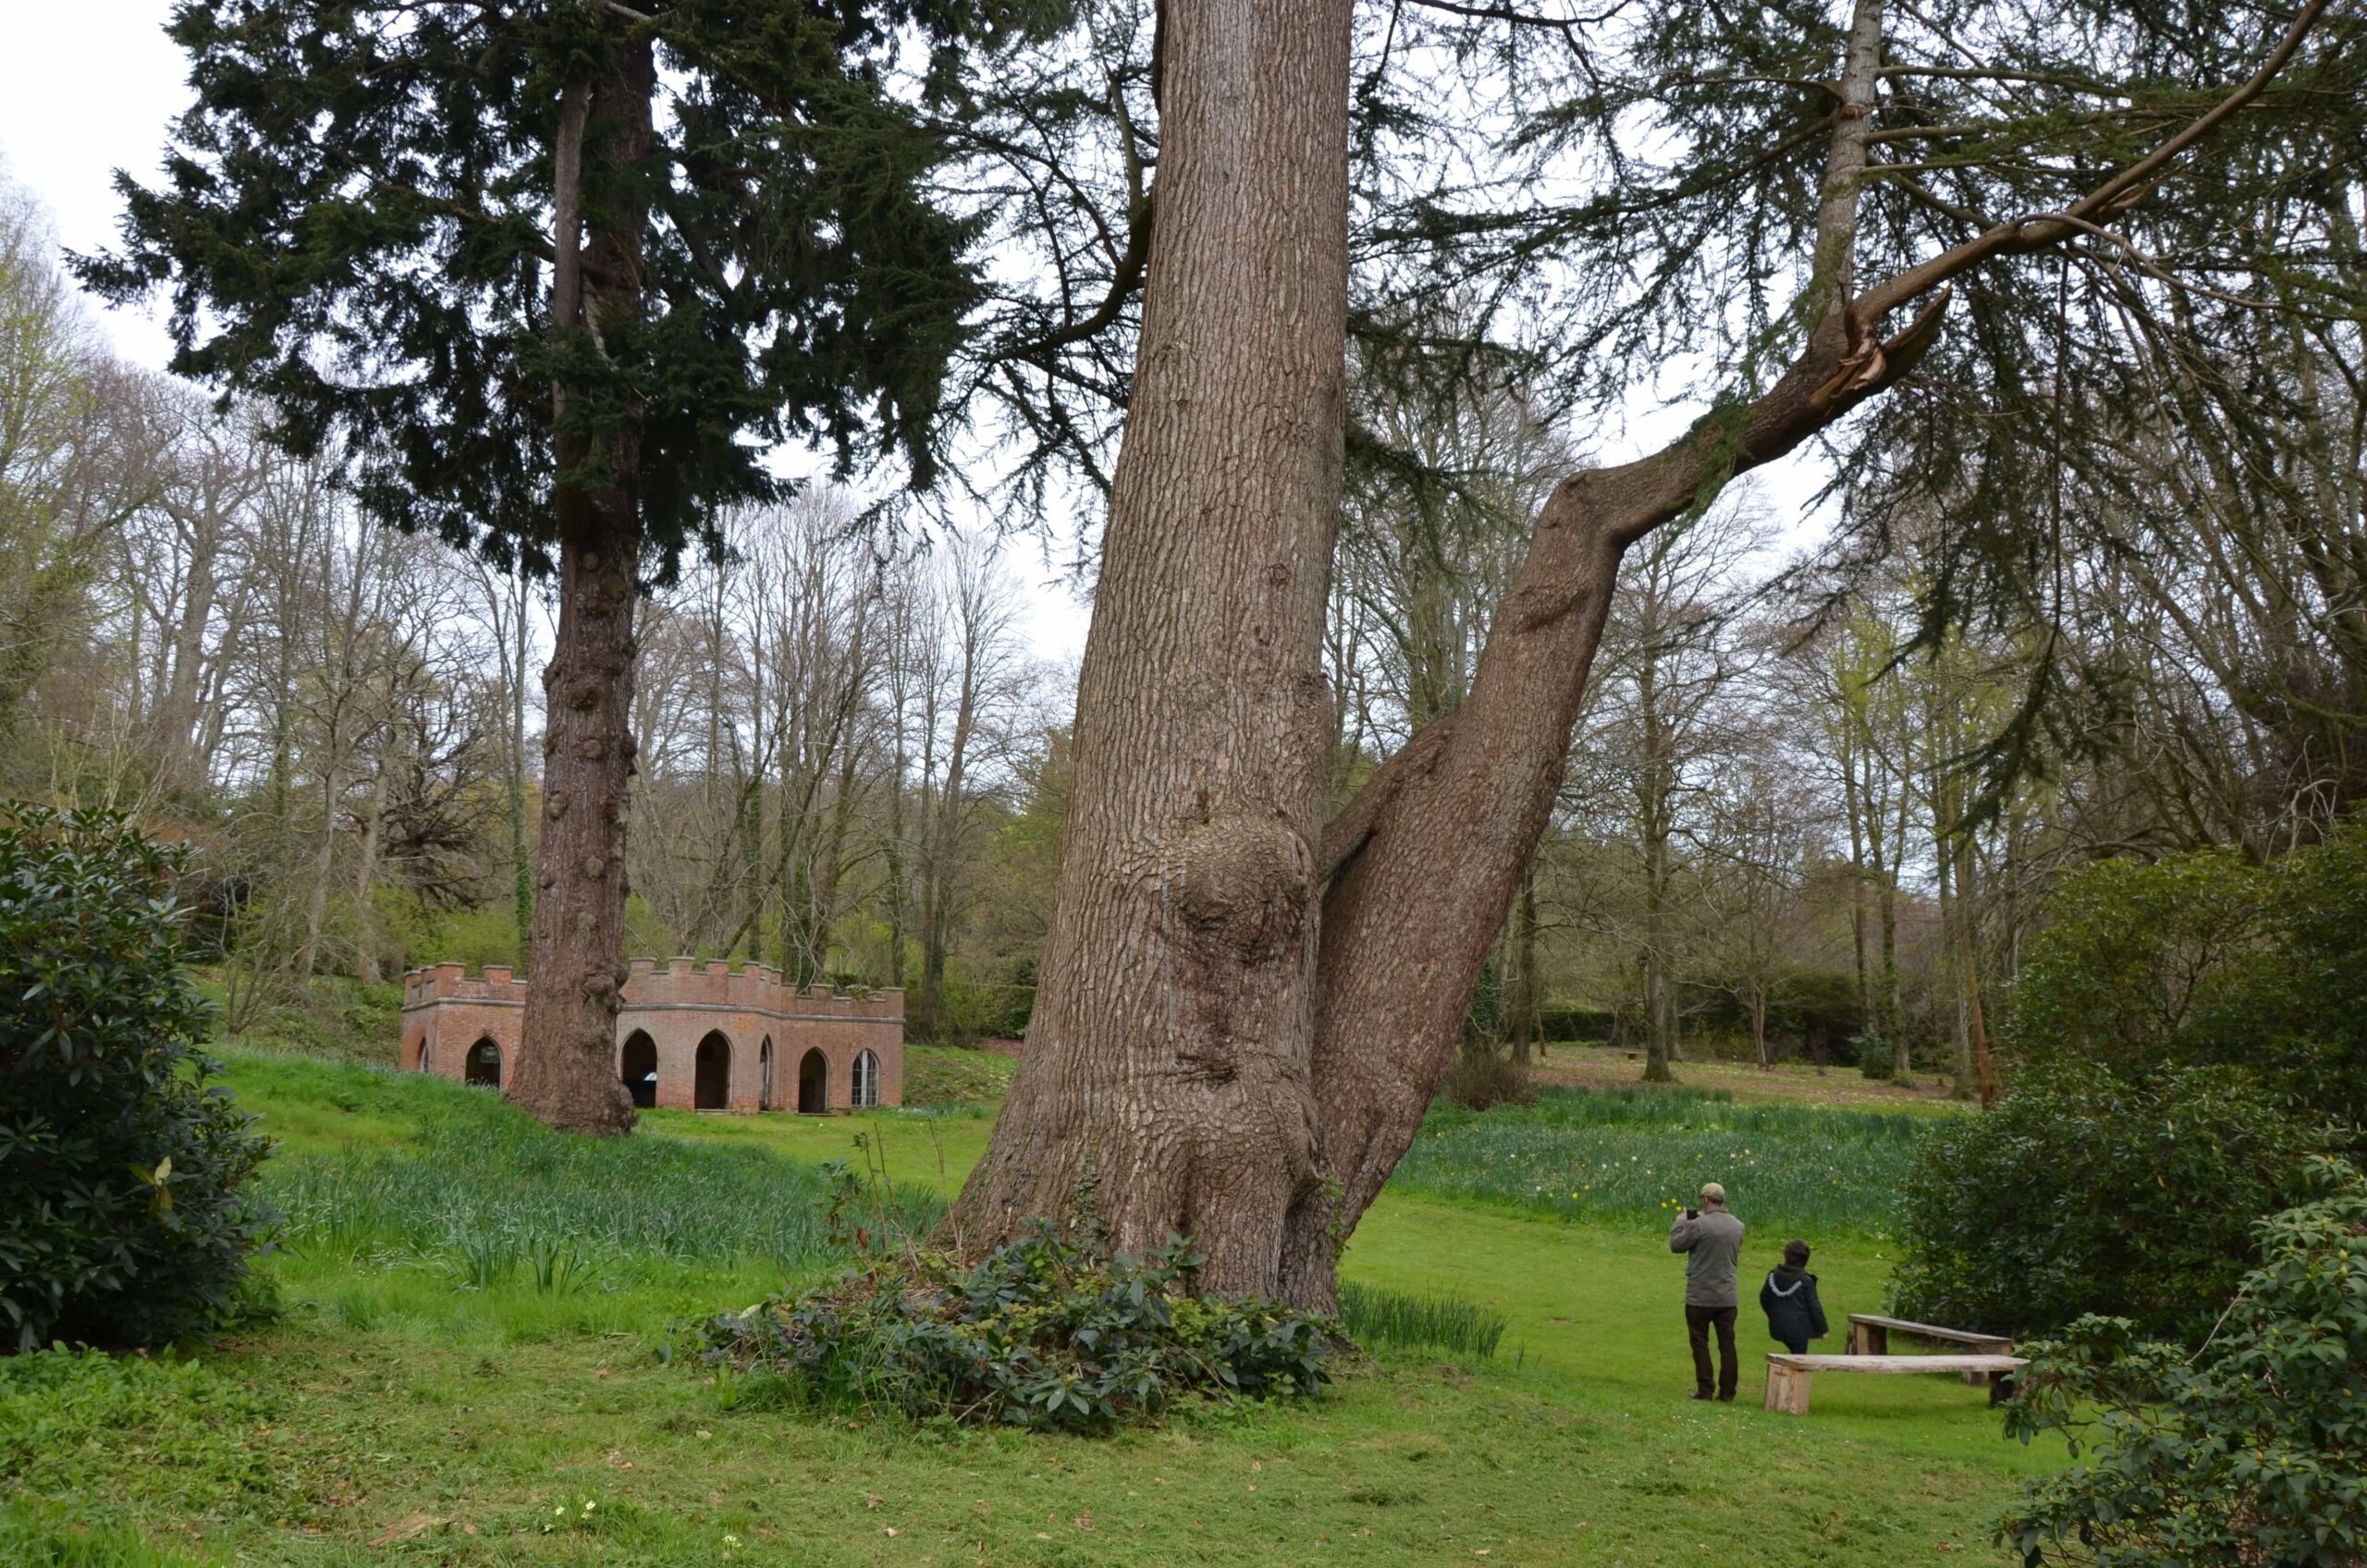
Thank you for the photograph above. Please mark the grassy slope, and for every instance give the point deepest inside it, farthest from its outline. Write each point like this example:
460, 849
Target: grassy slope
451, 1424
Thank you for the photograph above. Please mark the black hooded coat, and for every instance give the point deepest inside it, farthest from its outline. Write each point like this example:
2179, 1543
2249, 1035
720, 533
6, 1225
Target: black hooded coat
1794, 1313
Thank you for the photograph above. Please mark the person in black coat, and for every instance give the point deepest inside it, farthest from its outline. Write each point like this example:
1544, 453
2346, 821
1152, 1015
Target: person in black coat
1795, 1315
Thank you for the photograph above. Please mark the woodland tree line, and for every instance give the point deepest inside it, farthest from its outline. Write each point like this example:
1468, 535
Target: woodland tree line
1769, 840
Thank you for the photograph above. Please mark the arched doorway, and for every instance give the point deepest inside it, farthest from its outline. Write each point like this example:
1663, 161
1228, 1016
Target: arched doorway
866, 1080
812, 1084
424, 1046
765, 1074
640, 1068
485, 1063
711, 1073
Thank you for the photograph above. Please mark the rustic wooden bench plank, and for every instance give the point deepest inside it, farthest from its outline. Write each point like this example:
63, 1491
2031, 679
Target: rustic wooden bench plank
1870, 1335
1788, 1376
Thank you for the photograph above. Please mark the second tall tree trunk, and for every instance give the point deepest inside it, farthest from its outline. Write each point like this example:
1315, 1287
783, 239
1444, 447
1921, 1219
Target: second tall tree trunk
1168, 1058
565, 1072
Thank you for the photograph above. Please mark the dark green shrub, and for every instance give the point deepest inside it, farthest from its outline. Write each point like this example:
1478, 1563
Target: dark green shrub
2255, 1454
1587, 1024
125, 1220
1874, 1056
1050, 1334
1374, 1316
2143, 965
2082, 1193
2202, 959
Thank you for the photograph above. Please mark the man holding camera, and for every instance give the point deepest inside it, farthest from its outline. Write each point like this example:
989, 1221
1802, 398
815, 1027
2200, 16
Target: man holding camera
1711, 1241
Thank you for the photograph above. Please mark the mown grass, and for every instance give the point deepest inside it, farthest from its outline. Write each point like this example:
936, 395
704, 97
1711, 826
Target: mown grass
403, 1411
1632, 1156
31, 1537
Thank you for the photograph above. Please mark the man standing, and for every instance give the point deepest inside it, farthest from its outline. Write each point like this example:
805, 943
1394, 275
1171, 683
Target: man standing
1712, 1240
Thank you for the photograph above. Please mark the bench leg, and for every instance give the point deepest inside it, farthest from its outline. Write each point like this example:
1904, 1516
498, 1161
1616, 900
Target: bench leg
1787, 1391
1866, 1339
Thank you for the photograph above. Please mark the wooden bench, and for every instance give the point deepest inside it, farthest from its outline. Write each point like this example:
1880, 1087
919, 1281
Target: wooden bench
1870, 1335
1787, 1376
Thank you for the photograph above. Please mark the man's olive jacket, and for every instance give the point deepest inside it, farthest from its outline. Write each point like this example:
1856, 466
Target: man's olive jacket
1712, 1245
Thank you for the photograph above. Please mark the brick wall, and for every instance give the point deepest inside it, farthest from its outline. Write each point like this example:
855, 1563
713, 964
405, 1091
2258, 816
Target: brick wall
707, 1030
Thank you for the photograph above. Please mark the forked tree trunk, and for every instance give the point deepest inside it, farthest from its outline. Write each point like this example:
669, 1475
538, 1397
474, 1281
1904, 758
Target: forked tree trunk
565, 1072
1167, 1059
1168, 1055
1424, 861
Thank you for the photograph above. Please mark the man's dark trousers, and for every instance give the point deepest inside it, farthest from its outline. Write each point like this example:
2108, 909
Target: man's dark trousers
1698, 1322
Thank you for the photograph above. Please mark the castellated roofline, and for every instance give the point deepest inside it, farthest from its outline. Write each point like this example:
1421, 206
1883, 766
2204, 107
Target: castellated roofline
675, 981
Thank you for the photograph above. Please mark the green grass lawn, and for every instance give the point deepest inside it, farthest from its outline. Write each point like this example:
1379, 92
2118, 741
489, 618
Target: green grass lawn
404, 1411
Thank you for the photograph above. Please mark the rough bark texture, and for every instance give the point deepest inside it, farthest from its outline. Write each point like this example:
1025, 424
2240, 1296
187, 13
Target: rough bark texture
566, 1072
1167, 1053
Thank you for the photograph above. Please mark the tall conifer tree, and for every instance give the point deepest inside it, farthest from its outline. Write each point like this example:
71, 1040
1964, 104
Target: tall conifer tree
551, 277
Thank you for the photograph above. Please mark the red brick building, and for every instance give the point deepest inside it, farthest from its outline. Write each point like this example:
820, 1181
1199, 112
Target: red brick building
698, 1037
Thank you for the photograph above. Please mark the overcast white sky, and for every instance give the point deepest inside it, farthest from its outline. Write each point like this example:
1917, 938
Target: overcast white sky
87, 88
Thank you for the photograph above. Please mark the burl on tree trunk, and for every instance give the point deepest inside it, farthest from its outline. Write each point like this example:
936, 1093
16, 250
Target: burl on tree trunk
1167, 1053
566, 1074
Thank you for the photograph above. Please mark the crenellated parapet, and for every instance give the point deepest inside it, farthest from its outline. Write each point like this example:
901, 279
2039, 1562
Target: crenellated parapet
696, 1035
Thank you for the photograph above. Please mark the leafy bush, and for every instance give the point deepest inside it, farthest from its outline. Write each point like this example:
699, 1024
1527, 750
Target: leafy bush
1046, 1332
2144, 966
126, 1220
1625, 1155
2204, 959
1373, 1315
2082, 1193
2256, 1456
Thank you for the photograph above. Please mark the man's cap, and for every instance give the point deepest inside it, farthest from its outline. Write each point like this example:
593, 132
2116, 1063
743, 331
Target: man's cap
1712, 1191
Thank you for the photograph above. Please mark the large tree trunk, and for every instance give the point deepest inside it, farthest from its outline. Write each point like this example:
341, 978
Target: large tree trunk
1167, 1056
565, 1072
